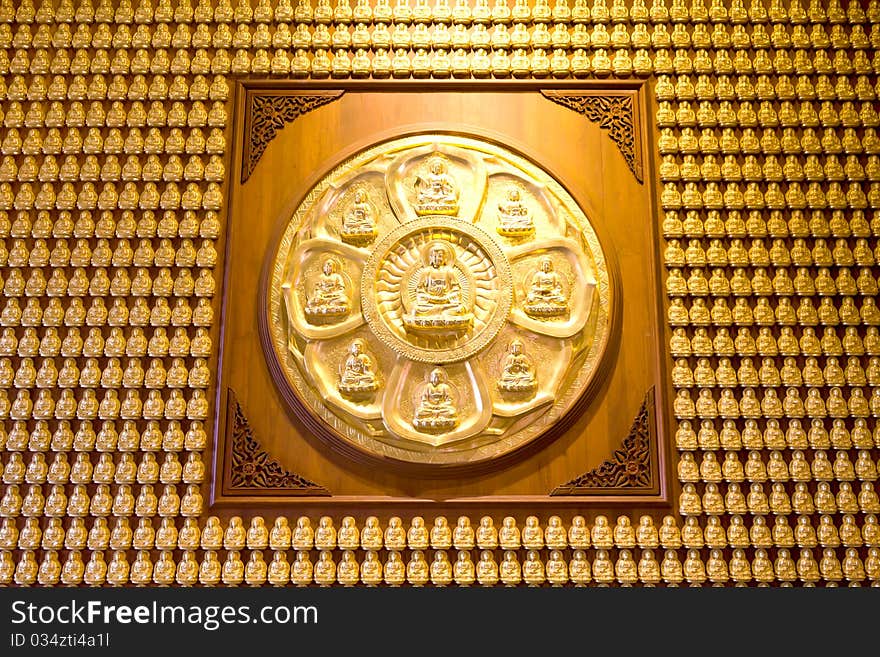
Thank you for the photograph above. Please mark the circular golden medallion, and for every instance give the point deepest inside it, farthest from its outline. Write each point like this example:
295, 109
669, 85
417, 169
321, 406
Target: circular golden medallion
436, 300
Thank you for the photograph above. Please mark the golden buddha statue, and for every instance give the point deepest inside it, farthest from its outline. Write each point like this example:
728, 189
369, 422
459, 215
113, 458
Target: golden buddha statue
533, 569
371, 535
510, 570
371, 569
463, 537
546, 297
348, 537
301, 571
441, 569
436, 189
463, 570
486, 534
304, 536
329, 301
437, 303
441, 535
359, 222
394, 537
517, 374
487, 569
417, 535
436, 410
325, 569
394, 570
514, 218
417, 570
359, 379
348, 569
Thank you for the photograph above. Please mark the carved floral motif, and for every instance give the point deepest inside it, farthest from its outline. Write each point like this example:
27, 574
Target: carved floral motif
614, 113
630, 465
267, 114
252, 467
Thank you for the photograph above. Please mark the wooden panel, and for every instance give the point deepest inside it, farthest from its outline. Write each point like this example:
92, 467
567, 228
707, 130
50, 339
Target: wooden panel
575, 150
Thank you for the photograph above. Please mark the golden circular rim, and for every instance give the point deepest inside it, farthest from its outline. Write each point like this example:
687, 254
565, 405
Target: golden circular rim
348, 437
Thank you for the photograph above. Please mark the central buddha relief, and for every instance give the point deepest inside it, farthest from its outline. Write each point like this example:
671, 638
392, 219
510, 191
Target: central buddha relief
434, 298
438, 300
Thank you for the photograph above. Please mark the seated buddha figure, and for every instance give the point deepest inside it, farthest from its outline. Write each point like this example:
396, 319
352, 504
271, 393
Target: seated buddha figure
514, 218
517, 373
358, 379
436, 300
546, 297
359, 221
436, 410
328, 301
436, 189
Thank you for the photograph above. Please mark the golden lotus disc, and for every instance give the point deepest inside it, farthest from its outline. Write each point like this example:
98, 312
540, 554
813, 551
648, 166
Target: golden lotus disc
437, 300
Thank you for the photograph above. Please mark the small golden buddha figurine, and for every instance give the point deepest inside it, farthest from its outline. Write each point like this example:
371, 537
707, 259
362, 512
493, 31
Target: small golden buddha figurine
441, 569
487, 569
235, 536
463, 535
417, 535
348, 569
518, 373
486, 534
603, 568
325, 569
394, 570
441, 535
212, 534
510, 570
514, 217
348, 537
464, 572
359, 379
436, 189
257, 534
359, 221
417, 570
436, 410
546, 297
371, 536
329, 301
532, 536
600, 534
301, 571
370, 569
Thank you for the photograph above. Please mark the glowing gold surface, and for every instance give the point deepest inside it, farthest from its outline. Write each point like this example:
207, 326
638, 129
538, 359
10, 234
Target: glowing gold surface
449, 269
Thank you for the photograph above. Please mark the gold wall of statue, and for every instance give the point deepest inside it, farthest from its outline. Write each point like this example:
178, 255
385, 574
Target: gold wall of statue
762, 126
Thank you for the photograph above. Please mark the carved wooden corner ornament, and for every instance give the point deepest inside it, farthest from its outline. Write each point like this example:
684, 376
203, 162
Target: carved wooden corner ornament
267, 113
252, 469
629, 468
614, 112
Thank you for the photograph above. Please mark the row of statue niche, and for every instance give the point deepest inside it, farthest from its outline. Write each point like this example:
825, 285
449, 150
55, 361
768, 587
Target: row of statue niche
437, 195
436, 409
443, 11
437, 300
440, 571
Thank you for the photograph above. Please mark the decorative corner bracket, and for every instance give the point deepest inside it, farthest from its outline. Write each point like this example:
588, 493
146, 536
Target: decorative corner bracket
251, 467
614, 111
629, 468
267, 113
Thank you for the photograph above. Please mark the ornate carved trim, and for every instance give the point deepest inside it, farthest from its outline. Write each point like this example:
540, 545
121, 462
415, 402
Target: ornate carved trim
613, 111
629, 468
252, 467
267, 113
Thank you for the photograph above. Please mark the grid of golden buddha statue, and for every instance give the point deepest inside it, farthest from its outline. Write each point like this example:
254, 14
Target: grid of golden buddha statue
111, 170
555, 554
